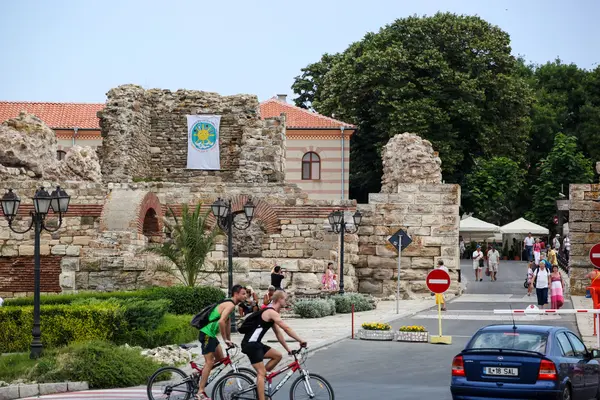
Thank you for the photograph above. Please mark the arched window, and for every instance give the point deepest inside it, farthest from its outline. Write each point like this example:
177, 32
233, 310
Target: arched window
60, 154
311, 166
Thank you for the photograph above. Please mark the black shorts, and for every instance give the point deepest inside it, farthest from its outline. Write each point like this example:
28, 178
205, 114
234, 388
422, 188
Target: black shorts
207, 343
255, 351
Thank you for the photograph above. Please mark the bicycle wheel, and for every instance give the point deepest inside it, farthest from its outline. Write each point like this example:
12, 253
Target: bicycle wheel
315, 387
235, 386
170, 383
249, 372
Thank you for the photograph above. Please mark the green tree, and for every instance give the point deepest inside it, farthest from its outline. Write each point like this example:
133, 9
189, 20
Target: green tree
492, 189
187, 248
564, 165
449, 78
589, 117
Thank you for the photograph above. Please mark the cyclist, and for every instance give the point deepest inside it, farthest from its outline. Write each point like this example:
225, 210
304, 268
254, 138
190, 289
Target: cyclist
252, 344
211, 349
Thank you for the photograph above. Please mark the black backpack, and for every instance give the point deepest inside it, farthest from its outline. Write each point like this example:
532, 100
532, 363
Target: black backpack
251, 321
201, 319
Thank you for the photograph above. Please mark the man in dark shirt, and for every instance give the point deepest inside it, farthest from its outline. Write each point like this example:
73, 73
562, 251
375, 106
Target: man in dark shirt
276, 277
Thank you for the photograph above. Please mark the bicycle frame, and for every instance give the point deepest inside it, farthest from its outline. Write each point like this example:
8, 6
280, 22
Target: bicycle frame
216, 369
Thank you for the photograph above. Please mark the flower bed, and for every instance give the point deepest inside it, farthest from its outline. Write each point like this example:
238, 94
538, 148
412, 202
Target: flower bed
412, 333
376, 331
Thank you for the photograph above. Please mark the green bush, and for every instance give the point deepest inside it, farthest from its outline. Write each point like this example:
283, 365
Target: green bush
15, 366
314, 308
60, 325
101, 364
139, 314
184, 300
343, 303
172, 329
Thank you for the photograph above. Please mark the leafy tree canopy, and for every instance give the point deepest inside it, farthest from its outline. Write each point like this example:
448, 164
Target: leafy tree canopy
491, 189
449, 78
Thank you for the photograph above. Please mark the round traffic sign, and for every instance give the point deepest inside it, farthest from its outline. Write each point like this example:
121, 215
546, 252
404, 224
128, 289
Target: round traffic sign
438, 281
595, 255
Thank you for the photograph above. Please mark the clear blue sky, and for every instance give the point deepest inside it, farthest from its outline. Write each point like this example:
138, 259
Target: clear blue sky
59, 50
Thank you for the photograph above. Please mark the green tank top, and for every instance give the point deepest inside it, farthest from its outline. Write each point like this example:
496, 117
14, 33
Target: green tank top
212, 329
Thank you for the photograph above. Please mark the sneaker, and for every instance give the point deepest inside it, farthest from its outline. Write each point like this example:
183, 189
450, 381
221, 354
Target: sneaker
202, 396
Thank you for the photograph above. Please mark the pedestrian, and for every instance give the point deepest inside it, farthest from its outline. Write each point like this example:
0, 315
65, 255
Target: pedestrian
552, 258
556, 289
1, 301
567, 247
556, 242
529, 278
328, 277
478, 263
541, 282
537, 251
268, 296
277, 275
334, 283
528, 242
439, 297
493, 262
250, 304
462, 247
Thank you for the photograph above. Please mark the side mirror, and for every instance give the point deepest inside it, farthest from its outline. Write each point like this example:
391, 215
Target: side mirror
595, 353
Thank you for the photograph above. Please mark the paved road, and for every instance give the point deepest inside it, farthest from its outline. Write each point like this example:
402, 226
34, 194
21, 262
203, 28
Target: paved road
390, 370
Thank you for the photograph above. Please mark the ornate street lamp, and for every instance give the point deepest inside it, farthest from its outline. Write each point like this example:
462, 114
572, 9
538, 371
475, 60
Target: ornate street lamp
43, 202
227, 221
339, 225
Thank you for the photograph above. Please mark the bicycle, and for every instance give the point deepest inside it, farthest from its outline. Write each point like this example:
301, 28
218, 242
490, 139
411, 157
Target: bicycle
237, 386
172, 381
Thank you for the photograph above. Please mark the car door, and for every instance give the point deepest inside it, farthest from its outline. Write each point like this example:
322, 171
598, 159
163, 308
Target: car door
590, 366
575, 369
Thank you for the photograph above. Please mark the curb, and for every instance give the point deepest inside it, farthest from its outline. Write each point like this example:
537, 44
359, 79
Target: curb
34, 390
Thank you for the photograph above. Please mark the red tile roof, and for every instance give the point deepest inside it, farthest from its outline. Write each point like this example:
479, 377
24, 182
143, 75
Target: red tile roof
83, 115
299, 117
55, 115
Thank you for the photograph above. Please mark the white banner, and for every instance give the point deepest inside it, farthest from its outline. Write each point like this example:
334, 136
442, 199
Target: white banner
203, 142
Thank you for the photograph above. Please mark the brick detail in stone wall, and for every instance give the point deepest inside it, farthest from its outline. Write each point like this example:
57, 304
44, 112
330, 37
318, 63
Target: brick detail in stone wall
75, 210
154, 222
17, 274
584, 232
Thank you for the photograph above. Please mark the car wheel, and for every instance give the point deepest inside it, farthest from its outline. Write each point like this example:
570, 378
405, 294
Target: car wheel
566, 393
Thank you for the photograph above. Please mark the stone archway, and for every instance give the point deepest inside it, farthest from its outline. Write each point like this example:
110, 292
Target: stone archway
132, 210
151, 224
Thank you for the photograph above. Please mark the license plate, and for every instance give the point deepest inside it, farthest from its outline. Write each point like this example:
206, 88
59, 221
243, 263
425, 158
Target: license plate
501, 371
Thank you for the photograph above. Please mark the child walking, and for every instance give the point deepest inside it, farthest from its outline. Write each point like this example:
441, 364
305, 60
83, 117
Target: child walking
529, 278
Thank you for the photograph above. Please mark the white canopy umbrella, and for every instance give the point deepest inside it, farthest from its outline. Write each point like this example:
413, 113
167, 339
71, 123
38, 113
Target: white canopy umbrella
523, 227
474, 228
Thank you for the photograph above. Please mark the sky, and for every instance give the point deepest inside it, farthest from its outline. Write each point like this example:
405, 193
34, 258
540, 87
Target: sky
75, 51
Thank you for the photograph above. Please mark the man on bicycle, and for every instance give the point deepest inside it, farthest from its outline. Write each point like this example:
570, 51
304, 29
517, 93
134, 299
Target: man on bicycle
211, 349
256, 351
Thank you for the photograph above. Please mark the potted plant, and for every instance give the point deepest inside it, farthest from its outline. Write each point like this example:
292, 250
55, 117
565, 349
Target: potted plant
376, 331
412, 333
505, 252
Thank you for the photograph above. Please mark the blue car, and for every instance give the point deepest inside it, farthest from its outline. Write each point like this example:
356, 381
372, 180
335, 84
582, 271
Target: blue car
525, 362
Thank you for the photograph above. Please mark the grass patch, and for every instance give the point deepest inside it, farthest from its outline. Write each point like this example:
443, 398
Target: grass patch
15, 366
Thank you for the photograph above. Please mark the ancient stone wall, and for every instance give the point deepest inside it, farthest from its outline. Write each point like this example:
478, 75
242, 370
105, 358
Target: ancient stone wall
429, 214
584, 231
145, 137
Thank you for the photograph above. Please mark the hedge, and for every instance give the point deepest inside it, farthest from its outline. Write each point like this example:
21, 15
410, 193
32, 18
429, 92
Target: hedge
343, 303
172, 329
60, 325
314, 308
101, 364
183, 299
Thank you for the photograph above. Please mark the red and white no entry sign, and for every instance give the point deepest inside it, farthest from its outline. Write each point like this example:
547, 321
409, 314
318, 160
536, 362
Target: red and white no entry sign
595, 255
438, 281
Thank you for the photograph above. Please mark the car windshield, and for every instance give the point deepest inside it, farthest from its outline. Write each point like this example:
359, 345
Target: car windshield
510, 340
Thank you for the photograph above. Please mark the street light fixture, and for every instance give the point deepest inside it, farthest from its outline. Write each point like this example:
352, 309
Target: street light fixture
43, 202
339, 225
227, 221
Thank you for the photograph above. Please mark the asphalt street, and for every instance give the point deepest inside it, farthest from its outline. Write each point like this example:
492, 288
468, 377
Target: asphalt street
394, 370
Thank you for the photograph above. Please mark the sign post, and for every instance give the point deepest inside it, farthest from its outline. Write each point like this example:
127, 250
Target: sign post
438, 281
400, 240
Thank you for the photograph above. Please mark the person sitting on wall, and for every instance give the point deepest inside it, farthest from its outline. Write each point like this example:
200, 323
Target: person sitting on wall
277, 275
250, 304
268, 297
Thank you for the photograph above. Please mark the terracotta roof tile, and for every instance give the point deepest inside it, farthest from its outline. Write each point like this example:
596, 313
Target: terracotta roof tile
299, 117
55, 115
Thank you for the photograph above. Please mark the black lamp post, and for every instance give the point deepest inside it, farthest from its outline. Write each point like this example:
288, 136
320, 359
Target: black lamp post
226, 221
43, 202
339, 225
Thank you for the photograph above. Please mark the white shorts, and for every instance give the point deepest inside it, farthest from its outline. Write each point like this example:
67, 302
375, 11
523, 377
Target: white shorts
476, 265
494, 267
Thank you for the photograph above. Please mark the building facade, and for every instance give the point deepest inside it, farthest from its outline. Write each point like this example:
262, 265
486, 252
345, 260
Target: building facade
317, 147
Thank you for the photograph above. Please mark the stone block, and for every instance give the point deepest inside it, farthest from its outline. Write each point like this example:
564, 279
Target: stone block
77, 386
73, 250
67, 280
428, 198
408, 187
445, 230
385, 251
4, 234
419, 231
422, 262
51, 388
9, 251
9, 392
449, 251
383, 274
44, 250
28, 390
311, 265
26, 250
383, 231
295, 253
450, 198
59, 250
364, 272
421, 251
433, 241
401, 198
421, 209
366, 250
378, 198
429, 220
66, 239
370, 287
447, 210
303, 280
81, 240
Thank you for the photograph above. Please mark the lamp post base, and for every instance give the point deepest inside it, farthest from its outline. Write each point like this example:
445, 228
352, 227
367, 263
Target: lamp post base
36, 349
